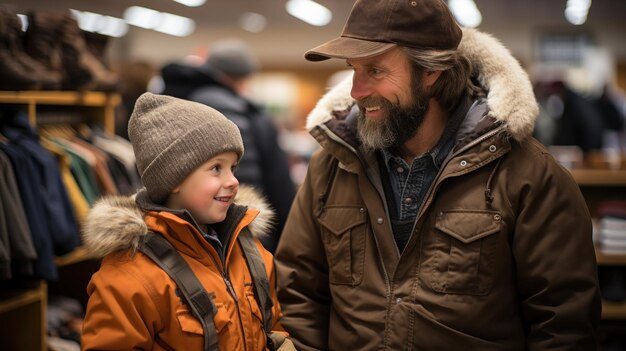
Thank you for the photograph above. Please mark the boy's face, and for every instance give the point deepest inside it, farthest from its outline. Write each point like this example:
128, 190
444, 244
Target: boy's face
209, 190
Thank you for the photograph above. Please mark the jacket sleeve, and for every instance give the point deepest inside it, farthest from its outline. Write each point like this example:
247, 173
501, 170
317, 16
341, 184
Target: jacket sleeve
302, 269
121, 314
555, 260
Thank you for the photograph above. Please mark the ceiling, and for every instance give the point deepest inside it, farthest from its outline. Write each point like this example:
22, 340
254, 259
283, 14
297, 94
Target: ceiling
513, 21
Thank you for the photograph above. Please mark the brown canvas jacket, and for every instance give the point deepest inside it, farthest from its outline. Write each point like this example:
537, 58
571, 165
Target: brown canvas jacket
133, 303
501, 256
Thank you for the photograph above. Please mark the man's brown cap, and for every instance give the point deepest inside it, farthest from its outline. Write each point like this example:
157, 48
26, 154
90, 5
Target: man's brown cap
375, 26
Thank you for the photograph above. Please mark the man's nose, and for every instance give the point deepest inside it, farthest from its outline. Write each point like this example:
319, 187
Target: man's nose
360, 88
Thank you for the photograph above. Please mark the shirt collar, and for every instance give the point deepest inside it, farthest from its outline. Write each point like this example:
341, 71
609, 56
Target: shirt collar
447, 140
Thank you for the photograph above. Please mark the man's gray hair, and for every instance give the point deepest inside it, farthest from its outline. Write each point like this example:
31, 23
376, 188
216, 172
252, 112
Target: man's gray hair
455, 77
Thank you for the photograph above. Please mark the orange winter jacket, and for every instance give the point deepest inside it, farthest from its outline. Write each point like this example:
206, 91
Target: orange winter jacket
134, 304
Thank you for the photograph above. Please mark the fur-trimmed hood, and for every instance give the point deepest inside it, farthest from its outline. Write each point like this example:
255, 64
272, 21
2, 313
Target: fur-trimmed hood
510, 98
117, 223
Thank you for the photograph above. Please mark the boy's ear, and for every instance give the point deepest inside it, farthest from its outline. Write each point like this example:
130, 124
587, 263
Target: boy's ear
176, 190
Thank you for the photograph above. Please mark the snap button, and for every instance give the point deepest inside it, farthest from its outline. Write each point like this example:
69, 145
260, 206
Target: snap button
400, 170
413, 3
398, 300
379, 220
463, 163
497, 217
361, 210
493, 148
408, 200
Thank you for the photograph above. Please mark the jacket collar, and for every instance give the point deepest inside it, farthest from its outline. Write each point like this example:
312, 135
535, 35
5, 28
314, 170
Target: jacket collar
510, 100
118, 223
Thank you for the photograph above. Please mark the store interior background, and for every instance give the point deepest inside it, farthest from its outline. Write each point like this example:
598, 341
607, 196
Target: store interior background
289, 86
588, 57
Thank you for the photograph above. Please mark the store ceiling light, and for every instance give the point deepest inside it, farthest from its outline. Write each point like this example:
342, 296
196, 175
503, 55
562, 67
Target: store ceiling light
309, 11
466, 12
576, 11
252, 22
97, 23
191, 3
159, 21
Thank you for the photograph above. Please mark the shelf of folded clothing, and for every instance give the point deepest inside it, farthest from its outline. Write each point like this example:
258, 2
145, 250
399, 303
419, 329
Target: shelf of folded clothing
35, 98
610, 259
613, 310
79, 254
599, 177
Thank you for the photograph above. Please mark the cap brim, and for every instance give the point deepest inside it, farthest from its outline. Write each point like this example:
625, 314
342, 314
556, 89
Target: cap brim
347, 48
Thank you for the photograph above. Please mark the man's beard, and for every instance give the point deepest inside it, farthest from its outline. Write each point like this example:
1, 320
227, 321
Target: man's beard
400, 124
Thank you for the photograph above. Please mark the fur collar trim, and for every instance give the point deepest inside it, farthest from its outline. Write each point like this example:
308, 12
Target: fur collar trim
511, 99
116, 222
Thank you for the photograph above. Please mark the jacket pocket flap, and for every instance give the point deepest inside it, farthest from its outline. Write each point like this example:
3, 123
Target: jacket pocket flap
339, 220
468, 226
190, 324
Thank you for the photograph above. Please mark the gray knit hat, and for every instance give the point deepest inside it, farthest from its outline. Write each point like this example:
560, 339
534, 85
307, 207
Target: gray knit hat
172, 137
233, 58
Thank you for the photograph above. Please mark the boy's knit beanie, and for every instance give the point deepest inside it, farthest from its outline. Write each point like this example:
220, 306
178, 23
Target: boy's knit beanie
171, 137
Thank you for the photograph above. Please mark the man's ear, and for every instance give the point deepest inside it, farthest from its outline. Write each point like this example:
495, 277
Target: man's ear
430, 78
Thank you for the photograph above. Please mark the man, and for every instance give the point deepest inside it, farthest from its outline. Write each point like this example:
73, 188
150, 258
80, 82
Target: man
220, 83
431, 220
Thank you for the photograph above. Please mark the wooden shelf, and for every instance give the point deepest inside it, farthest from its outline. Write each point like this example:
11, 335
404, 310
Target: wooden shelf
23, 318
19, 298
77, 255
599, 177
613, 310
105, 102
605, 259
65, 98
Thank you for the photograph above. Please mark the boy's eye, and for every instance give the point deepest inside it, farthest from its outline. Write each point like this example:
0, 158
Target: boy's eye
216, 168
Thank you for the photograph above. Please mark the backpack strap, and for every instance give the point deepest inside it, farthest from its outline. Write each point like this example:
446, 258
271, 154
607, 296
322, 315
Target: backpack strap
259, 276
165, 256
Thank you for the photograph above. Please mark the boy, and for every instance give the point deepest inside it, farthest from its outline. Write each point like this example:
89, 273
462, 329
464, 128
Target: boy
186, 155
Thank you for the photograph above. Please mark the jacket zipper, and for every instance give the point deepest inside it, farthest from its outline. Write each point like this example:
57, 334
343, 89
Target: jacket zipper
233, 294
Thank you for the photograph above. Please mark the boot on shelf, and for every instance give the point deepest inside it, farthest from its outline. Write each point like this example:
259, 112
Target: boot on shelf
13, 76
49, 80
55, 40
77, 58
41, 42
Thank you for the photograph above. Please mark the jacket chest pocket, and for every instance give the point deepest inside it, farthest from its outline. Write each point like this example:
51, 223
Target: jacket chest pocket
191, 325
458, 258
343, 233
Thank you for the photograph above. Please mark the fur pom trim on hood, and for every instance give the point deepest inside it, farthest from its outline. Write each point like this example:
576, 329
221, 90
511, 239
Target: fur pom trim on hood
116, 223
510, 98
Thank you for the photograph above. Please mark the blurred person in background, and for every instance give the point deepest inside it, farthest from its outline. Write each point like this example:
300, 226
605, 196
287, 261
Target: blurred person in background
220, 83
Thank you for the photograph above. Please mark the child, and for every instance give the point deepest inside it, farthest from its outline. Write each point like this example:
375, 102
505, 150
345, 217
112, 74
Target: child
186, 155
